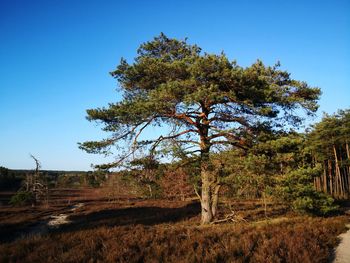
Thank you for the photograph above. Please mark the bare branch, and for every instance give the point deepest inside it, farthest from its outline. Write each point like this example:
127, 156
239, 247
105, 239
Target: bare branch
183, 117
162, 138
140, 131
196, 191
37, 163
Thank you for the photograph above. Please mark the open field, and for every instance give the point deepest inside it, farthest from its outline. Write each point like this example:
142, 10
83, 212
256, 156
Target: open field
136, 230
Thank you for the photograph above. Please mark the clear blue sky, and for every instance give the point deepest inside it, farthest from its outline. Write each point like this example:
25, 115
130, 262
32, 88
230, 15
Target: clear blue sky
55, 57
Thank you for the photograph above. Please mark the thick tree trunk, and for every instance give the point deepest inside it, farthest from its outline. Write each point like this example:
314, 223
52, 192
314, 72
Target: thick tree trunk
206, 201
209, 177
210, 192
210, 189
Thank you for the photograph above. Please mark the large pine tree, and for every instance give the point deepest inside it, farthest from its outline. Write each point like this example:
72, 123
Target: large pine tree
205, 99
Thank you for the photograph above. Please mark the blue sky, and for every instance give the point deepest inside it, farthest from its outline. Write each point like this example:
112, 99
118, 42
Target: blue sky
55, 57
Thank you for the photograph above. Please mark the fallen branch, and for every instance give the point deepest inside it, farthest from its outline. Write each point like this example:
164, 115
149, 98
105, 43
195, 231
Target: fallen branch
232, 217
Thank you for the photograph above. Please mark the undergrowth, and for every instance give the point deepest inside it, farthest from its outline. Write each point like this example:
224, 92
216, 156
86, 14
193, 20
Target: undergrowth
298, 239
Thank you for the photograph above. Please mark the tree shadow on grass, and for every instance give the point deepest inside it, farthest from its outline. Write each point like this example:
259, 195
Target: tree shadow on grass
130, 216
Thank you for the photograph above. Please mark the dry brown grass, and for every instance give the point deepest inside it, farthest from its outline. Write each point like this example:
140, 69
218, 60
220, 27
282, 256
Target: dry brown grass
16, 220
168, 231
296, 240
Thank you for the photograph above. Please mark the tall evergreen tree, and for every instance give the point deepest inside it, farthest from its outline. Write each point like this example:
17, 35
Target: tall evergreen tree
206, 100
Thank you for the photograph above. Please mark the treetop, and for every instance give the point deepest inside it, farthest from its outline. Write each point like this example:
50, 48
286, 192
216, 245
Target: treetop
200, 96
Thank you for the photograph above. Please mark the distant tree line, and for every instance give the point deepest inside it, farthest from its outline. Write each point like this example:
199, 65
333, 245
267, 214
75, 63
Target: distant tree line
10, 179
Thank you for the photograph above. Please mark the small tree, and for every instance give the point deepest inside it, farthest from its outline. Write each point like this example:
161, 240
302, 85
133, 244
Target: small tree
147, 171
34, 188
204, 101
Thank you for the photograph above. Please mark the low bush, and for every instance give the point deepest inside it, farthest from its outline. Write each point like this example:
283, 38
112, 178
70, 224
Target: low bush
22, 198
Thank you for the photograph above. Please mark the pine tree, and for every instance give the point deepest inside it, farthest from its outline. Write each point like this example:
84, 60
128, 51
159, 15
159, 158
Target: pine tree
205, 100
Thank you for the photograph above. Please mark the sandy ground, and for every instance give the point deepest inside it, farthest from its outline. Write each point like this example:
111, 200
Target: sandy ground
62, 218
342, 253
54, 221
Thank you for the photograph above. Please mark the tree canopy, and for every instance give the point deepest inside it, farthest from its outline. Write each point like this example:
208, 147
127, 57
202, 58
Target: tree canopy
203, 99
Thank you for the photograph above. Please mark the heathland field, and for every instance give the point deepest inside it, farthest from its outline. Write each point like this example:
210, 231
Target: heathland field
129, 229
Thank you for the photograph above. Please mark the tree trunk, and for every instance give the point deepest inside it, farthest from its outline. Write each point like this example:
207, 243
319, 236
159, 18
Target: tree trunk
330, 177
343, 176
208, 183
337, 171
210, 193
206, 201
215, 199
325, 188
348, 157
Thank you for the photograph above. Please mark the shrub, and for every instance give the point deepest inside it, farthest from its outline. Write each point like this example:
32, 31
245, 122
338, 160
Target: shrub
297, 190
22, 198
318, 203
175, 184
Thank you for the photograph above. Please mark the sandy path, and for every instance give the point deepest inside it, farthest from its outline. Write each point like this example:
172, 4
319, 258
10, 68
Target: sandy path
342, 253
54, 221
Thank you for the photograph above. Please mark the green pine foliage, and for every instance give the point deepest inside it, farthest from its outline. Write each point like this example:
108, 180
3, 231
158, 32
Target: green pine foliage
22, 198
278, 166
296, 189
203, 99
328, 143
202, 102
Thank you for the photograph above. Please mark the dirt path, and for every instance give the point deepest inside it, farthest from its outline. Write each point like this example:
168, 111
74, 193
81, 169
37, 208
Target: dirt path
342, 253
55, 221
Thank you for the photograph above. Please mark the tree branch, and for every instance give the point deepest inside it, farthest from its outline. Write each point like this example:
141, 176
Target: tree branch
162, 138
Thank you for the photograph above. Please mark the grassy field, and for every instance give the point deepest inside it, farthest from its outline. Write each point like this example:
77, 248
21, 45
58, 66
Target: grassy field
136, 230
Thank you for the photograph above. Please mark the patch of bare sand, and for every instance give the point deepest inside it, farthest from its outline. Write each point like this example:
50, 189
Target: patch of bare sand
342, 253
